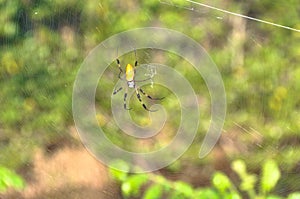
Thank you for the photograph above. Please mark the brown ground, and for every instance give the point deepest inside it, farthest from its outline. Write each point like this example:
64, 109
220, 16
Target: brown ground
68, 173
65, 171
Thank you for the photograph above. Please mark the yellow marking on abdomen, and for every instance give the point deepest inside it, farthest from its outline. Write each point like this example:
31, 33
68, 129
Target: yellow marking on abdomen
129, 71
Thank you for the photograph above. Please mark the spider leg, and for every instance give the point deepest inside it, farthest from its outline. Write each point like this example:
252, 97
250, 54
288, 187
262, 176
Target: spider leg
121, 71
117, 90
125, 97
143, 92
140, 100
136, 62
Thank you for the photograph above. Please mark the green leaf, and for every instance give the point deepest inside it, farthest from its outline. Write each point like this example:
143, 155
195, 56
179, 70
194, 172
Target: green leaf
120, 175
231, 196
270, 176
183, 188
126, 189
132, 185
248, 182
207, 194
221, 182
154, 191
234, 195
295, 195
239, 167
9, 178
135, 183
3, 186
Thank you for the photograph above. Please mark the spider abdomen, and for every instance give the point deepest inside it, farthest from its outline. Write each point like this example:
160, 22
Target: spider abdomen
129, 71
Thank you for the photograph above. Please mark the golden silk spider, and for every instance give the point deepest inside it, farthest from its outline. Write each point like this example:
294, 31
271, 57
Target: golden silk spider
130, 72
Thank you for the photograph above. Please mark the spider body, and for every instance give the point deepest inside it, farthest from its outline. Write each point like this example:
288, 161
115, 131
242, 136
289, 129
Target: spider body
129, 75
131, 83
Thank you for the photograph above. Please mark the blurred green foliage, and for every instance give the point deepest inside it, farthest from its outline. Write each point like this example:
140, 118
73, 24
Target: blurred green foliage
44, 42
151, 185
9, 179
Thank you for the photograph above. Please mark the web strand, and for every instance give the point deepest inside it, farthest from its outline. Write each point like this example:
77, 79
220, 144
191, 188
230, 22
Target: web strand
243, 16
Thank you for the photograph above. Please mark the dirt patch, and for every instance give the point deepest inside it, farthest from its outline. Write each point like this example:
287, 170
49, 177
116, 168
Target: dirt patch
68, 173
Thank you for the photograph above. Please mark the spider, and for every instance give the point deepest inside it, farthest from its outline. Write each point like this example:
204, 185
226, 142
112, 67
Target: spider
131, 83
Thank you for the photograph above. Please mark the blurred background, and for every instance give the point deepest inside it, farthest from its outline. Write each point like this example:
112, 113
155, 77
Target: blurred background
43, 44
